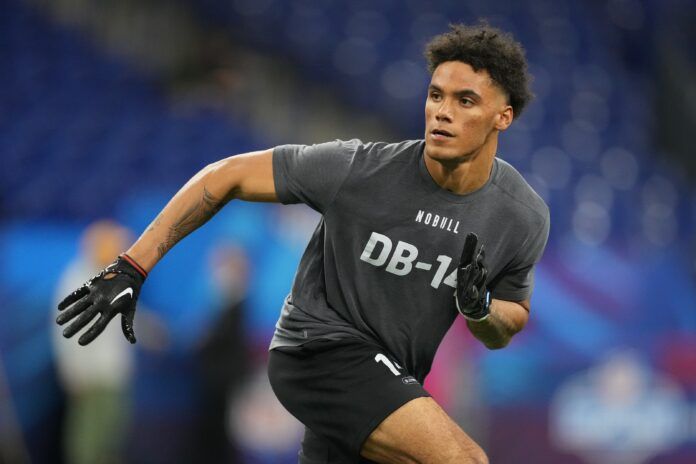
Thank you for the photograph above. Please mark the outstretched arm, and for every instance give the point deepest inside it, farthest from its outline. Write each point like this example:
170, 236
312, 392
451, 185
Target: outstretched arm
245, 177
117, 287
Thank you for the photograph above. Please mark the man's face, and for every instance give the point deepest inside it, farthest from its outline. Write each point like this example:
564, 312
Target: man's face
463, 109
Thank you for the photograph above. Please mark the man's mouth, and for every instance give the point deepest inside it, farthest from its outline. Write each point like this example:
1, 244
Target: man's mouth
441, 133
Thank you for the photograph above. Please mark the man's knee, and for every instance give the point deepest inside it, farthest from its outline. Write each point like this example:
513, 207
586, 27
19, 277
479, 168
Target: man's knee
467, 452
452, 453
478, 456
420, 432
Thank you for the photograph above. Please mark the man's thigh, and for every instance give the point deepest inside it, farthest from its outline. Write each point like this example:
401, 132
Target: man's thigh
421, 432
341, 390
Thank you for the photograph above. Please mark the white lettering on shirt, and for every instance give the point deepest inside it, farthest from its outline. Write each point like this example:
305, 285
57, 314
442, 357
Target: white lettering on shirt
403, 260
435, 220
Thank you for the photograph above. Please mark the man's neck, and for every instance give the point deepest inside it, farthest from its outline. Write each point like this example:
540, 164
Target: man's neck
463, 176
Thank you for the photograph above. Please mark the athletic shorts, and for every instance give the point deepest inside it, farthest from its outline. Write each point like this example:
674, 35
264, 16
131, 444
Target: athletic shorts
341, 390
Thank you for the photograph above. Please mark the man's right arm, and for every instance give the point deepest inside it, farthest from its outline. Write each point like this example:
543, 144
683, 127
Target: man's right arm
117, 287
245, 177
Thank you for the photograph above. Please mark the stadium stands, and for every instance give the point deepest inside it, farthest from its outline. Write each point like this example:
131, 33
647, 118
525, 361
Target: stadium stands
77, 126
584, 144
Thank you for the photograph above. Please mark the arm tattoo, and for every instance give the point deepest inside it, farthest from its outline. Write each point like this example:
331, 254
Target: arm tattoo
194, 217
155, 223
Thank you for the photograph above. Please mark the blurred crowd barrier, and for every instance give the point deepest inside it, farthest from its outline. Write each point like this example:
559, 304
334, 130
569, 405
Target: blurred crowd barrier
93, 145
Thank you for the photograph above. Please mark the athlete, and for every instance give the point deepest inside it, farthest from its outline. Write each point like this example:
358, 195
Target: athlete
412, 234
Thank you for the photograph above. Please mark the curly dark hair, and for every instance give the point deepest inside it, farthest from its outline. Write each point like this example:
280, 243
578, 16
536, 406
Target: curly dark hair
485, 47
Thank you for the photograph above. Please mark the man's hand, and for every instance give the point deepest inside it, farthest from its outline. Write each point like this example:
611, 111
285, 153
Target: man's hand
114, 290
471, 296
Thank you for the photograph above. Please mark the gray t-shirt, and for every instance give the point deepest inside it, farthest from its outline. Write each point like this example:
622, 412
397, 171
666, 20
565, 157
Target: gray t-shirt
381, 265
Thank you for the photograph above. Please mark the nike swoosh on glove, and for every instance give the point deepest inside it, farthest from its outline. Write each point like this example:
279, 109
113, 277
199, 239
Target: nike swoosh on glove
114, 290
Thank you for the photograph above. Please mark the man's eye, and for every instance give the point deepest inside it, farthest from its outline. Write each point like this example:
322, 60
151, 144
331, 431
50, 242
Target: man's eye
466, 102
435, 96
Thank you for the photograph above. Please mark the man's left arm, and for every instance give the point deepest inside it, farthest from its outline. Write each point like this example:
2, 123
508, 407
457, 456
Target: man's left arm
491, 320
505, 319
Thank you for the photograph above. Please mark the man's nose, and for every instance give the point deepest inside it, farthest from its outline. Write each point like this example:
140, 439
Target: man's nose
444, 112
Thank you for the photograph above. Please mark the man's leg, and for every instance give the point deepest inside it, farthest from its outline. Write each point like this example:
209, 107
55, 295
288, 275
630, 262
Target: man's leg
359, 400
420, 432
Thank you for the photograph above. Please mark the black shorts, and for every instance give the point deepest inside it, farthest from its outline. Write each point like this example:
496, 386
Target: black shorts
341, 390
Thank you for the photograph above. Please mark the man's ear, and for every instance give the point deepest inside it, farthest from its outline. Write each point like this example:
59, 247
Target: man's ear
504, 118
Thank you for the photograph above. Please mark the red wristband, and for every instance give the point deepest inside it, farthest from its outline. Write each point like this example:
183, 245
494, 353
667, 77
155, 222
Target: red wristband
137, 266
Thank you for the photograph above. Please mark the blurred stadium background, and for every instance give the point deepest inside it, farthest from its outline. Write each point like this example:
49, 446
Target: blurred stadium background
107, 107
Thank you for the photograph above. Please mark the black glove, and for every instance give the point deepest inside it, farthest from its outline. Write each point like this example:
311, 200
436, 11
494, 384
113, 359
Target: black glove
471, 296
114, 290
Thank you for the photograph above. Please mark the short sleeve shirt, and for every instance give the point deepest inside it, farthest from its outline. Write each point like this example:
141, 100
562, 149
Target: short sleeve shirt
381, 264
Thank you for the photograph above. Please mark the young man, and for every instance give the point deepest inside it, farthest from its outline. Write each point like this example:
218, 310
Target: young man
382, 279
